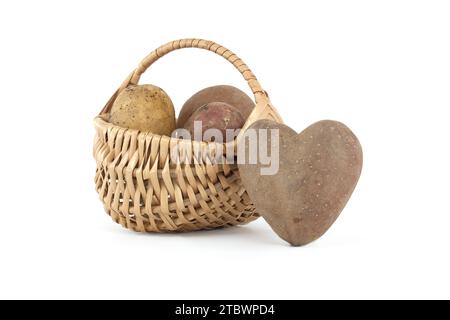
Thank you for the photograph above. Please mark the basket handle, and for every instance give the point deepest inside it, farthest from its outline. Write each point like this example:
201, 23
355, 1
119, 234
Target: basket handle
248, 75
260, 95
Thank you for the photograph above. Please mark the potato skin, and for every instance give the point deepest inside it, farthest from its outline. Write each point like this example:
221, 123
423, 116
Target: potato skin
145, 108
221, 93
216, 115
318, 171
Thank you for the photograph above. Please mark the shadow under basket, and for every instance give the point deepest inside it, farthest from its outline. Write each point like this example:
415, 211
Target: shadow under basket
144, 189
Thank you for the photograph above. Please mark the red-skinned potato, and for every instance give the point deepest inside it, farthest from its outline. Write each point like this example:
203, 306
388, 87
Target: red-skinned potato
221, 93
215, 115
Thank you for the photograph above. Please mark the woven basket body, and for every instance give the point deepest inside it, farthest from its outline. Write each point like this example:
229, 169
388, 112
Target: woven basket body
143, 189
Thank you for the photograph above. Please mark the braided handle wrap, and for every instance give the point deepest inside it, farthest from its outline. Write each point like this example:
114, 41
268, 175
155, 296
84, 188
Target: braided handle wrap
248, 75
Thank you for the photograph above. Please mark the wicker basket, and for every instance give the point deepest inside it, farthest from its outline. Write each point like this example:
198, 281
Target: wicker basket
144, 190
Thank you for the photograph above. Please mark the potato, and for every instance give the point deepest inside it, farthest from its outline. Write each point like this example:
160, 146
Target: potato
145, 108
314, 174
216, 115
222, 93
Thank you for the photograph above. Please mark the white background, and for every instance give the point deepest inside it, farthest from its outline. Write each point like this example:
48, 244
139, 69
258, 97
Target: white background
381, 67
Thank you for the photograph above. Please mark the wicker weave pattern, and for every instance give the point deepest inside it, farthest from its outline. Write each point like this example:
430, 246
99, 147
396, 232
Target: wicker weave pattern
143, 189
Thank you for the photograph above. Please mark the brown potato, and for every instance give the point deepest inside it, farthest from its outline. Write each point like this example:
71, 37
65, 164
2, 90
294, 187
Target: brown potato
221, 93
315, 173
145, 108
215, 115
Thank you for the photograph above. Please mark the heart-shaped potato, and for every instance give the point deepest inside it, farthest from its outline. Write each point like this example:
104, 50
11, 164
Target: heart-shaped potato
318, 171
